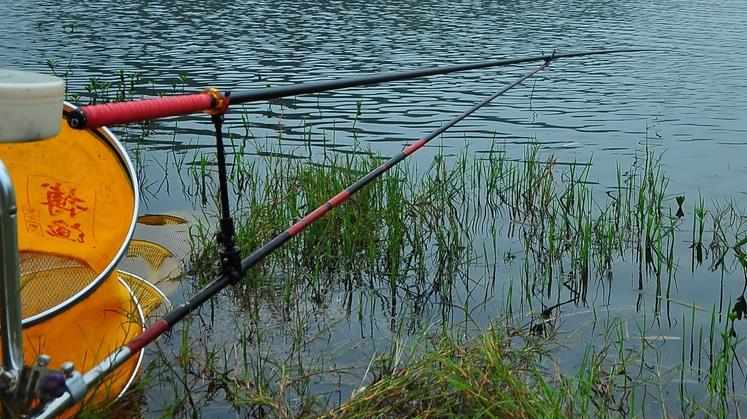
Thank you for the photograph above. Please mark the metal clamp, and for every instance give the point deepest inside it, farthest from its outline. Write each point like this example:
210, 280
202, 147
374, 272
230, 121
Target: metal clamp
38, 385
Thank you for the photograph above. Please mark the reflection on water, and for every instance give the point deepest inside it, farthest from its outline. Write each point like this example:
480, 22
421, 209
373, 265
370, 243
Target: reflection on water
690, 93
686, 100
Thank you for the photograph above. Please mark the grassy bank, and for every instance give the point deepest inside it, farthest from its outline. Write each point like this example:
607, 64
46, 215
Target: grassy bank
411, 242
387, 306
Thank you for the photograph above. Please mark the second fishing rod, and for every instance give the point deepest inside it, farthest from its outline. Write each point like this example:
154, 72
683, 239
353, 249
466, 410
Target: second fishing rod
122, 354
216, 102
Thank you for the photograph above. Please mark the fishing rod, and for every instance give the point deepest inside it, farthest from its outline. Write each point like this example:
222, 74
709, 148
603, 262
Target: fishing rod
213, 101
71, 386
78, 385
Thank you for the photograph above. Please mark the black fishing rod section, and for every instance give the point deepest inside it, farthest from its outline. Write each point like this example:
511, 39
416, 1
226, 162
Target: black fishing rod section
123, 353
77, 385
213, 101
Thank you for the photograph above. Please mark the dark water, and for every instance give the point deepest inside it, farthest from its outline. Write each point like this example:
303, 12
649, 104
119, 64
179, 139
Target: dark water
688, 99
691, 93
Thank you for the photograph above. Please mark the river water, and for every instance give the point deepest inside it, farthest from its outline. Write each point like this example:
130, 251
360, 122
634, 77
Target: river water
690, 93
687, 99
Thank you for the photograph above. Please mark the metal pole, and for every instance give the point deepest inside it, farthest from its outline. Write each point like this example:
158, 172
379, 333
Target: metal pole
10, 293
230, 256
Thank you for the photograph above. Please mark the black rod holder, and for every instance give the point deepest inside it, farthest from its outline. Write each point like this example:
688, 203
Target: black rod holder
230, 257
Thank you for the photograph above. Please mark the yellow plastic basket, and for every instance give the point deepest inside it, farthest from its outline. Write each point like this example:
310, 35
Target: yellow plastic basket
77, 202
77, 205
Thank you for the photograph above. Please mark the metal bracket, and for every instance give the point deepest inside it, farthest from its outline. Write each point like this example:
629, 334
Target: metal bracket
76, 386
230, 257
38, 385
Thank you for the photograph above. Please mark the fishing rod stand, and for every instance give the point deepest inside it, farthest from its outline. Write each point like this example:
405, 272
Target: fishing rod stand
230, 256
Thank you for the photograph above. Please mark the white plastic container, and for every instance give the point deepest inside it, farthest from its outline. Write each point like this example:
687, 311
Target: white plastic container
30, 105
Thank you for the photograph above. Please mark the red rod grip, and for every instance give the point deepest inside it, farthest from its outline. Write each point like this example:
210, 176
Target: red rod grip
149, 335
94, 116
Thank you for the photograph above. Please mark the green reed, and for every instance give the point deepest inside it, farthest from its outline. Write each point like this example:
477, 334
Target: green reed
406, 239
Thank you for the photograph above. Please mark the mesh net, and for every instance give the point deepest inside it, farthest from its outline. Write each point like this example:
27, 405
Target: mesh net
160, 220
46, 280
152, 253
148, 296
87, 332
76, 201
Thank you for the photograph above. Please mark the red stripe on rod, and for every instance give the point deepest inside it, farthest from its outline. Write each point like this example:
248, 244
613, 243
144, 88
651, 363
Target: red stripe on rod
339, 198
414, 146
141, 110
301, 224
149, 335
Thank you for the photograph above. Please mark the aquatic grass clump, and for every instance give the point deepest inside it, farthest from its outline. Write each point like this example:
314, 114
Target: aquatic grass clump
418, 229
568, 233
489, 377
389, 233
408, 242
504, 372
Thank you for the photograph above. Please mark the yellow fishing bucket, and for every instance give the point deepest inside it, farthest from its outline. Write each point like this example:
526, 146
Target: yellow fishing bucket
77, 203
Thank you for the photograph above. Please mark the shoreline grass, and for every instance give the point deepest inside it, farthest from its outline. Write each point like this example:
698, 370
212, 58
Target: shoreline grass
409, 245
570, 240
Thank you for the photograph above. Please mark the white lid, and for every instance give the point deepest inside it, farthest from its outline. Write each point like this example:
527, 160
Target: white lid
30, 105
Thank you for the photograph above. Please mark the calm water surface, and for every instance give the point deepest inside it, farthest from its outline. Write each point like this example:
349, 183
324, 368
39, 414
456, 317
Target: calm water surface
691, 94
688, 99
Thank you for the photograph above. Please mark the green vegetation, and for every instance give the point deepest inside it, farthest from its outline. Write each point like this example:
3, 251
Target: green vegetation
375, 310
409, 240
484, 378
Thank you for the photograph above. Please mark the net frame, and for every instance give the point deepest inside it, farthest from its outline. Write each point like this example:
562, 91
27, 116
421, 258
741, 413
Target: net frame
106, 136
141, 355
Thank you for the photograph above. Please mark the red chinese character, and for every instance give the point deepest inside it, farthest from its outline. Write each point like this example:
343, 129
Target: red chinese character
72, 232
58, 201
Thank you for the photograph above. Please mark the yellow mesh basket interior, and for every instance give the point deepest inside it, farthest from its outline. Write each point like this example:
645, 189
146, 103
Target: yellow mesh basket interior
160, 220
47, 280
87, 332
148, 296
152, 253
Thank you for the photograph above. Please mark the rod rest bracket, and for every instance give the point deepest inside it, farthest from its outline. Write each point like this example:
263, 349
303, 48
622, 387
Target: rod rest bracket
230, 256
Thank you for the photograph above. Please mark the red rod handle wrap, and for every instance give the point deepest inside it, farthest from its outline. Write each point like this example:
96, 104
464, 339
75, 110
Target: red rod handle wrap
149, 335
94, 116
